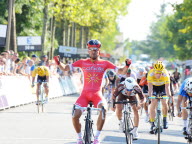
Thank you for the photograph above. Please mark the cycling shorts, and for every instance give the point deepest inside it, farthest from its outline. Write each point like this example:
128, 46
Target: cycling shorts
159, 90
122, 97
41, 79
145, 89
87, 96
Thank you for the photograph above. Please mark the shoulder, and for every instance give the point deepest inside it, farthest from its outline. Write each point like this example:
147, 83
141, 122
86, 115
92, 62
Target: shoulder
151, 73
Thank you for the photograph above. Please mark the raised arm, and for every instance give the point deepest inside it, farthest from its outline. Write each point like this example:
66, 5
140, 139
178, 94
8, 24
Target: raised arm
61, 65
123, 70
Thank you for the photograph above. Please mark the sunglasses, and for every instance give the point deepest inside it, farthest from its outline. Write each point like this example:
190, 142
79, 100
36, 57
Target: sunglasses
93, 49
129, 89
158, 72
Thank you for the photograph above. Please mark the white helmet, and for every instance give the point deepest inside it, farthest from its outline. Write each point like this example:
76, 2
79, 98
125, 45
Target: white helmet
188, 86
141, 69
130, 83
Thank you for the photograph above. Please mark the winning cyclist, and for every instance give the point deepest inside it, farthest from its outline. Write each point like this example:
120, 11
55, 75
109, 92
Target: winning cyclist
43, 76
185, 94
158, 84
93, 69
128, 90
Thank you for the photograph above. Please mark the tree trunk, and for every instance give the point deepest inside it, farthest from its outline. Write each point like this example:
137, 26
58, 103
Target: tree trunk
66, 33
71, 34
45, 19
13, 37
81, 37
63, 28
52, 36
74, 35
86, 35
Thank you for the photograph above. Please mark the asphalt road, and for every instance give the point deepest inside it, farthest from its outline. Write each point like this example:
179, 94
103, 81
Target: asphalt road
23, 125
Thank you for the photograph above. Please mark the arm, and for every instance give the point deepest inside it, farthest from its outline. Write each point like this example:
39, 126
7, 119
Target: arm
167, 89
150, 89
123, 70
61, 65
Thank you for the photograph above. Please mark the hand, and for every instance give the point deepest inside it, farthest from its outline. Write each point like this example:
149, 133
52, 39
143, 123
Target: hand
128, 62
179, 114
32, 85
57, 59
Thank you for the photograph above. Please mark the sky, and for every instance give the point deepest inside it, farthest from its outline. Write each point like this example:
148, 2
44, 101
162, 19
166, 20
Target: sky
141, 13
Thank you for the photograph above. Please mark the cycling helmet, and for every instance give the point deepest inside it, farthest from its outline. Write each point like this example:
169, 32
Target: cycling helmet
158, 66
188, 86
130, 83
94, 43
111, 74
40, 70
141, 69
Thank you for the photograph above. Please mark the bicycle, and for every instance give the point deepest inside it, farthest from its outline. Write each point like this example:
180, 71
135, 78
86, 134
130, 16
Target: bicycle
41, 100
189, 133
170, 110
128, 123
158, 121
88, 132
108, 96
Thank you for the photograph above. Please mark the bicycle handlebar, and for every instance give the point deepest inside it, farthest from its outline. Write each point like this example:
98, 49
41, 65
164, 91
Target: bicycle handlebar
162, 97
186, 107
86, 108
123, 102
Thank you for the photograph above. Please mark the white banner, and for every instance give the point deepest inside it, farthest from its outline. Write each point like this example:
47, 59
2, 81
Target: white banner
65, 49
28, 40
3, 30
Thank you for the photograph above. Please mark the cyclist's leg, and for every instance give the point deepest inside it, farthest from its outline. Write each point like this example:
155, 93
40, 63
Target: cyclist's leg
83, 102
184, 115
136, 121
119, 107
37, 92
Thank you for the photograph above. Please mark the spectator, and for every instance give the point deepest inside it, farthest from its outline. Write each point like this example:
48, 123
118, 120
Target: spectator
2, 66
44, 61
34, 58
22, 66
16, 66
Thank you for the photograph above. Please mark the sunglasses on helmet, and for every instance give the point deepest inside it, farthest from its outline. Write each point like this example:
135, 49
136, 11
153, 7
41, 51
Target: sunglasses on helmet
93, 49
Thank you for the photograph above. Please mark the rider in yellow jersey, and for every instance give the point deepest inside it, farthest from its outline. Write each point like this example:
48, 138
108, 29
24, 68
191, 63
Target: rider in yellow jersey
158, 83
43, 76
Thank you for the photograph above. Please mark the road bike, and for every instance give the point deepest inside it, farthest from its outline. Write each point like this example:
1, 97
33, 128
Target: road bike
128, 123
41, 101
170, 110
88, 132
108, 96
189, 129
158, 121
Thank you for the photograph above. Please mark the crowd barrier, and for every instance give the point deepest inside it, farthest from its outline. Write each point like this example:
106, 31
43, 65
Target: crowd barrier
16, 90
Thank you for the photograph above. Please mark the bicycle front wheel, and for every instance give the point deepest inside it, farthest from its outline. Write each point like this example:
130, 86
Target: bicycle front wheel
159, 127
87, 133
128, 135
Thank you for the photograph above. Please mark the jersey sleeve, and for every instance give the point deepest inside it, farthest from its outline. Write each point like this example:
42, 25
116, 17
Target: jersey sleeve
166, 77
34, 73
77, 64
150, 76
139, 92
111, 65
119, 88
47, 73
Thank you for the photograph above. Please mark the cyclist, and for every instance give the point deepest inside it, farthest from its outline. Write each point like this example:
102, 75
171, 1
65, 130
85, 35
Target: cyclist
140, 74
185, 94
43, 76
93, 69
176, 76
144, 85
128, 90
158, 83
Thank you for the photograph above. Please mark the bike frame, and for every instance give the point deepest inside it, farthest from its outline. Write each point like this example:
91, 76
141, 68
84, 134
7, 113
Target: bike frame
41, 97
127, 119
158, 121
88, 133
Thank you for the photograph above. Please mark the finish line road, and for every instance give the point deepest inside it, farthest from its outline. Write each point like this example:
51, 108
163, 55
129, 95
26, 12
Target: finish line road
23, 125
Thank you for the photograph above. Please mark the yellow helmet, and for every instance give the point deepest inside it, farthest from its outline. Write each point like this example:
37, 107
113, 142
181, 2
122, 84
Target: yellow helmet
158, 66
40, 70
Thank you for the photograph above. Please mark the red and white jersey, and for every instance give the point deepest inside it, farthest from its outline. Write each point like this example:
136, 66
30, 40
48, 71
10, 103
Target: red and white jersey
93, 72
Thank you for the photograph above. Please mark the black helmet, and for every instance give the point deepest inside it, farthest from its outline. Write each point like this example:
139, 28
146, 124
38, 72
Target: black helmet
94, 43
111, 74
